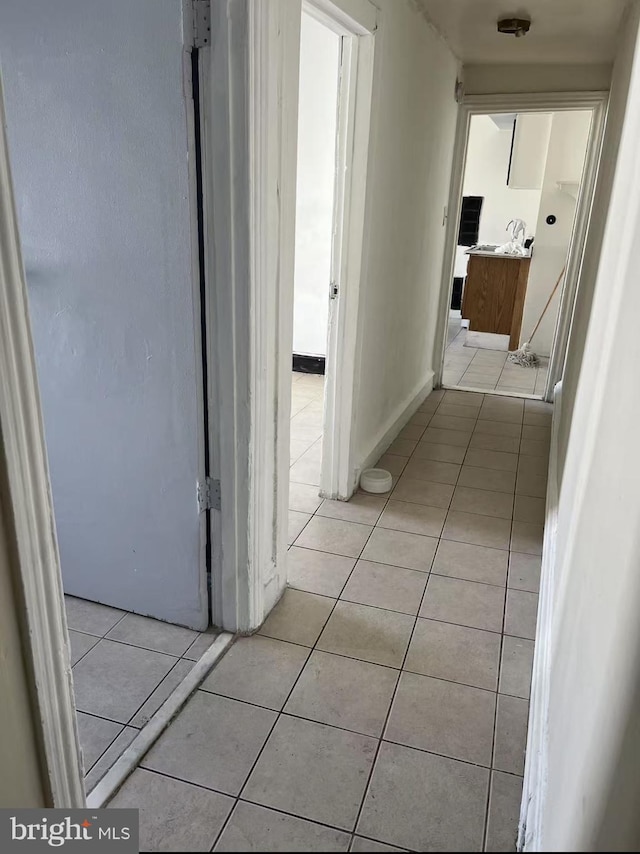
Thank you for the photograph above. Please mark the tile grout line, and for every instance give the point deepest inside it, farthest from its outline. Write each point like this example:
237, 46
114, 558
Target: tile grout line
286, 700
428, 574
128, 724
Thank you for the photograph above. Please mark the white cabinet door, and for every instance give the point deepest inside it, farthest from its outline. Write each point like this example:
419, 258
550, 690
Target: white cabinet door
99, 141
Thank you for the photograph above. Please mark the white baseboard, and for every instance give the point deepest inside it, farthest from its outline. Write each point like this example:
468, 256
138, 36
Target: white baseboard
395, 423
530, 831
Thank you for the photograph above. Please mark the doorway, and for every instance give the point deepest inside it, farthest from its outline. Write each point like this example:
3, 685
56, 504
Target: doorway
335, 79
523, 184
318, 107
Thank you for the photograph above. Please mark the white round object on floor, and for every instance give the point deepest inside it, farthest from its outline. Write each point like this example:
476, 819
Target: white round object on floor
376, 480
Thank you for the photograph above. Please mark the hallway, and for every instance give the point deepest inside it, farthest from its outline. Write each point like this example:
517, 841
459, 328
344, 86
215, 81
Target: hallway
386, 696
470, 367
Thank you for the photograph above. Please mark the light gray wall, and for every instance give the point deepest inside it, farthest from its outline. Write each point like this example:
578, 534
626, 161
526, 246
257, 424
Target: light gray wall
593, 245
317, 120
97, 128
592, 786
565, 160
412, 132
492, 79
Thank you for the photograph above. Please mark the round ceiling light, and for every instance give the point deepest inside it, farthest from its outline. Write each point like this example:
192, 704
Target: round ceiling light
514, 26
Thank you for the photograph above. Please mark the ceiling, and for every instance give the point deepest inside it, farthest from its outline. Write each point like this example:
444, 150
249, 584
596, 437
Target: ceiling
562, 31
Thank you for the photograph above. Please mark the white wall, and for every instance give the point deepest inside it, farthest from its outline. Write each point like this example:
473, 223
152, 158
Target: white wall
502, 79
317, 113
485, 175
413, 126
565, 159
599, 215
588, 790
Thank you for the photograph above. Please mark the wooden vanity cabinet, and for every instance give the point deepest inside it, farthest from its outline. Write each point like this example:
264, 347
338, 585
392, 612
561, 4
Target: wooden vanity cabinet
494, 292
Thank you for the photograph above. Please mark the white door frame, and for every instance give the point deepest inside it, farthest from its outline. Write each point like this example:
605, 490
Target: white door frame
250, 98
513, 103
25, 464
337, 478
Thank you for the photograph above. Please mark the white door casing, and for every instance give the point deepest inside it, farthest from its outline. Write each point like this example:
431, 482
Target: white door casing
39, 585
352, 150
250, 98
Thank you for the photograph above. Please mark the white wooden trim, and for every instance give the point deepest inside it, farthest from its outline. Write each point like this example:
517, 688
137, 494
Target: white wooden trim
151, 732
454, 206
273, 136
346, 17
249, 176
531, 102
34, 527
226, 200
535, 772
250, 106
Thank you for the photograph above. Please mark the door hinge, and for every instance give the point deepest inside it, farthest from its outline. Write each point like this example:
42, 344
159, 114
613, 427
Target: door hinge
333, 291
208, 495
201, 23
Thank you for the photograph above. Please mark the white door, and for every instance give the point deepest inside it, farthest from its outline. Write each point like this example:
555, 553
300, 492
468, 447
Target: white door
99, 132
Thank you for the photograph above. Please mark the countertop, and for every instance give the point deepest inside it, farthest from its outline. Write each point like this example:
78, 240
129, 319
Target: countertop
489, 254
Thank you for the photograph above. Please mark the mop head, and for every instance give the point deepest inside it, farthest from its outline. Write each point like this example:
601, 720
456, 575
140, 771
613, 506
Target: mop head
525, 357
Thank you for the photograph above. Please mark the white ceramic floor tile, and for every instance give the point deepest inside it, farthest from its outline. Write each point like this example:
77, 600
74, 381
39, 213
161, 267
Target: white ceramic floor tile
153, 634
364, 509
343, 692
90, 617
213, 742
174, 815
340, 761
296, 524
303, 498
369, 634
413, 518
256, 828
80, 645
443, 717
298, 617
471, 562
257, 670
335, 536
398, 548
96, 734
383, 586
318, 572
454, 653
424, 802
466, 603
114, 679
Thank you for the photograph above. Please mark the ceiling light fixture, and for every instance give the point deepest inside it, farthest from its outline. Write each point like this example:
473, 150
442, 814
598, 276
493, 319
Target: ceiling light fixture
517, 27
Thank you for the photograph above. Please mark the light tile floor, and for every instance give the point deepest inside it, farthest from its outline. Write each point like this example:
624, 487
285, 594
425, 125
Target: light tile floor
307, 391
469, 367
124, 667
383, 704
